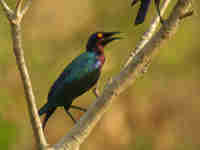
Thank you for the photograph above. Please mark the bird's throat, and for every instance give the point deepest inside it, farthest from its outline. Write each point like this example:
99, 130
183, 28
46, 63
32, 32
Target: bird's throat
100, 48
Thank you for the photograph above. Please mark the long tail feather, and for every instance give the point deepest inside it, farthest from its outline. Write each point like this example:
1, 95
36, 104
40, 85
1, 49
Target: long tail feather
142, 11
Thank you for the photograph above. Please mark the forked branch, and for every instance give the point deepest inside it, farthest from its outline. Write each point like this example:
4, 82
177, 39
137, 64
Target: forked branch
15, 18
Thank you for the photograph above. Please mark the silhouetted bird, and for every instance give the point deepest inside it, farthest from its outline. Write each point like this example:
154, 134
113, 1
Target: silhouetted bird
79, 76
143, 10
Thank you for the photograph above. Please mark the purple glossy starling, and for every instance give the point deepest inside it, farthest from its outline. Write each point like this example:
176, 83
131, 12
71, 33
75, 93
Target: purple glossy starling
78, 77
143, 10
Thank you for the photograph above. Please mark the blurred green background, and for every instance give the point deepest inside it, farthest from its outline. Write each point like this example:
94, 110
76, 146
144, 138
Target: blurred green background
160, 111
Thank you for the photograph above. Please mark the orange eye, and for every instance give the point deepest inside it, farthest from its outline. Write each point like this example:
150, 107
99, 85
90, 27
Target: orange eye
99, 35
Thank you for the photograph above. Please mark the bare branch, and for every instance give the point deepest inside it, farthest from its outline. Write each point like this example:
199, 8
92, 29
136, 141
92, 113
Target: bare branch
15, 22
33, 113
26, 7
127, 77
19, 7
7, 10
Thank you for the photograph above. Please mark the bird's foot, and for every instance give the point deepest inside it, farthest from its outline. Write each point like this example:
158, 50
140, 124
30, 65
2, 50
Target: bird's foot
79, 108
96, 92
70, 115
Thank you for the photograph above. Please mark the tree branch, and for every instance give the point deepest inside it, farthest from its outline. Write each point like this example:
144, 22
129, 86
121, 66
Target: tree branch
15, 22
26, 7
19, 7
136, 66
6, 9
30, 98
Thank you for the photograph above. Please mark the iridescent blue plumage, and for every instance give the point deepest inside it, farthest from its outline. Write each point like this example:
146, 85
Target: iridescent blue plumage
78, 77
80, 69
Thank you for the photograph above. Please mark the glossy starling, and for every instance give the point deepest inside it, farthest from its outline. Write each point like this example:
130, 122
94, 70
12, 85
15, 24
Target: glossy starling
78, 77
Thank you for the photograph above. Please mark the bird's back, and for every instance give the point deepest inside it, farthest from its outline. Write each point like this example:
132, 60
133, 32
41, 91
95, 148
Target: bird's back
78, 77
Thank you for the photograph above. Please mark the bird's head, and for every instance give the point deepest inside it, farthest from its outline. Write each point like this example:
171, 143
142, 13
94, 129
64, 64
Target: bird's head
99, 40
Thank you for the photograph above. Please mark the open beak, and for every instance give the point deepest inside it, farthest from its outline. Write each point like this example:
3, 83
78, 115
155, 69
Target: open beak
108, 37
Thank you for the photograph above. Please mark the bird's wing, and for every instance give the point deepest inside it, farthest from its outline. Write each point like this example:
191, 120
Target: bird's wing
75, 71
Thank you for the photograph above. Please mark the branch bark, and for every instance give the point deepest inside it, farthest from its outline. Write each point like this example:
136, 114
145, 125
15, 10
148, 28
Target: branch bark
137, 65
15, 18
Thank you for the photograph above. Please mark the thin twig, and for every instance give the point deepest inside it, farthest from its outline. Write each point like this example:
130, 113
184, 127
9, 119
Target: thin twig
30, 98
26, 7
6, 9
15, 22
18, 9
19, 6
18, 12
127, 76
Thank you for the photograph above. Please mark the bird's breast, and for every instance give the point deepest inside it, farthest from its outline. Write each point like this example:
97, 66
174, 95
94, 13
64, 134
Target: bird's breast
100, 61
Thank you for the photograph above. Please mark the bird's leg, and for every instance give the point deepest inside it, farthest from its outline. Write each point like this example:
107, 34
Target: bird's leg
79, 108
96, 91
70, 115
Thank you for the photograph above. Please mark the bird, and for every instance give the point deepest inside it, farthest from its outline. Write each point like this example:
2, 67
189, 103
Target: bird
78, 77
144, 5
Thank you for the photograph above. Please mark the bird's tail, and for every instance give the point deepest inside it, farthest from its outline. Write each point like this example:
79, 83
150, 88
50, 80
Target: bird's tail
48, 110
43, 109
142, 12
